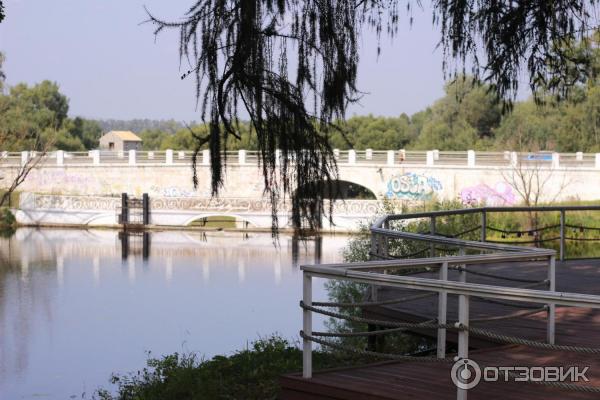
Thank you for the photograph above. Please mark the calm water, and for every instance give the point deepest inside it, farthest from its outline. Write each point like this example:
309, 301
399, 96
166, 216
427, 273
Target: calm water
74, 308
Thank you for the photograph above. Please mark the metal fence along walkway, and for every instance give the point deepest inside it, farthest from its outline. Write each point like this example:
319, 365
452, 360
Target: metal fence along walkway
495, 303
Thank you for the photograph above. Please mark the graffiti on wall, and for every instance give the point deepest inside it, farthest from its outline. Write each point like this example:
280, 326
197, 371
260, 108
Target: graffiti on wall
171, 191
411, 186
501, 194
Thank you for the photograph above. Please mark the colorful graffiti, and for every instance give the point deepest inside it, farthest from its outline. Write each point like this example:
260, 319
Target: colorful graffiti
500, 195
411, 186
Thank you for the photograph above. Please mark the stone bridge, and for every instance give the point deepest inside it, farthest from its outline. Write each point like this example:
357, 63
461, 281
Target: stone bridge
83, 188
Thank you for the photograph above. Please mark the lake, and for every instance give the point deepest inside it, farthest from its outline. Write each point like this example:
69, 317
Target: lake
78, 305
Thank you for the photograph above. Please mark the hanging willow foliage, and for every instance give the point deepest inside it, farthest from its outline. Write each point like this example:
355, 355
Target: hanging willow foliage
291, 66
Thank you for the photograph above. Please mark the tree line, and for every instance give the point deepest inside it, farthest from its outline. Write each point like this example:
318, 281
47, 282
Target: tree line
466, 117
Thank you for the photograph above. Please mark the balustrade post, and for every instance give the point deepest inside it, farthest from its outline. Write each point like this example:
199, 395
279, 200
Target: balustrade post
96, 157
205, 157
278, 157
514, 159
442, 313
597, 160
562, 235
169, 157
307, 326
241, 157
369, 154
550, 332
391, 155
132, 160
351, 157
429, 158
463, 337
555, 160
336, 154
471, 158
60, 157
24, 157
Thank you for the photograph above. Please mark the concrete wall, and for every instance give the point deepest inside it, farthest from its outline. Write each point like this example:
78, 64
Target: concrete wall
484, 184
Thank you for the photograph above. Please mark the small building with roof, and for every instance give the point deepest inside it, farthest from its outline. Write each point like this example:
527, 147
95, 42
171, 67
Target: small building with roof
120, 141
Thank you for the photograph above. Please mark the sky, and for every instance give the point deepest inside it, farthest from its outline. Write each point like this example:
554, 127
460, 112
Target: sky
110, 65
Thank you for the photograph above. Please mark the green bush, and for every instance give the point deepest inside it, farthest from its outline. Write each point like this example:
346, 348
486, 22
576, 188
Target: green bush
248, 374
8, 223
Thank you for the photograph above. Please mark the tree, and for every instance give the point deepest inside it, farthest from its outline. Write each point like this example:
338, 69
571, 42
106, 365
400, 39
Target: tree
466, 115
240, 51
2, 15
2, 74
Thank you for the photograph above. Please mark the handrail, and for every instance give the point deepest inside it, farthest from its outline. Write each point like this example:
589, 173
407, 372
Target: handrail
376, 273
431, 158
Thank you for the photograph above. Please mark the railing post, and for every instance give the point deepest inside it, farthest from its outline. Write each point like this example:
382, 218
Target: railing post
205, 157
369, 154
131, 157
436, 154
96, 157
463, 337
442, 313
60, 157
374, 243
181, 155
462, 276
278, 157
562, 235
471, 158
391, 157
307, 326
514, 159
169, 157
597, 161
351, 157
336, 154
550, 332
384, 241
432, 232
483, 225
24, 157
555, 160
429, 159
579, 156
241, 157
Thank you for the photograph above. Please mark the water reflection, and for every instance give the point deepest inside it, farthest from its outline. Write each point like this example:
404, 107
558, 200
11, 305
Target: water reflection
74, 306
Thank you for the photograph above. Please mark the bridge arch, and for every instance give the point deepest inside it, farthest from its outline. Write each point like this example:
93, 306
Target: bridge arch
342, 190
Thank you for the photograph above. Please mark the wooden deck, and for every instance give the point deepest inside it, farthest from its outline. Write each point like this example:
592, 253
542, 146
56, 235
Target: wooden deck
427, 380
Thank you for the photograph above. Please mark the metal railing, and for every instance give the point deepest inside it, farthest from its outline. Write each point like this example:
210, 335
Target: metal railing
432, 158
388, 272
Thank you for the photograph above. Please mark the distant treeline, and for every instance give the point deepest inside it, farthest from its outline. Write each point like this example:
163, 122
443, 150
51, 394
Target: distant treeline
140, 125
466, 117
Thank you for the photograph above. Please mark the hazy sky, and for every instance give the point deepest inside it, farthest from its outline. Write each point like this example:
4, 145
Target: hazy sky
111, 67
